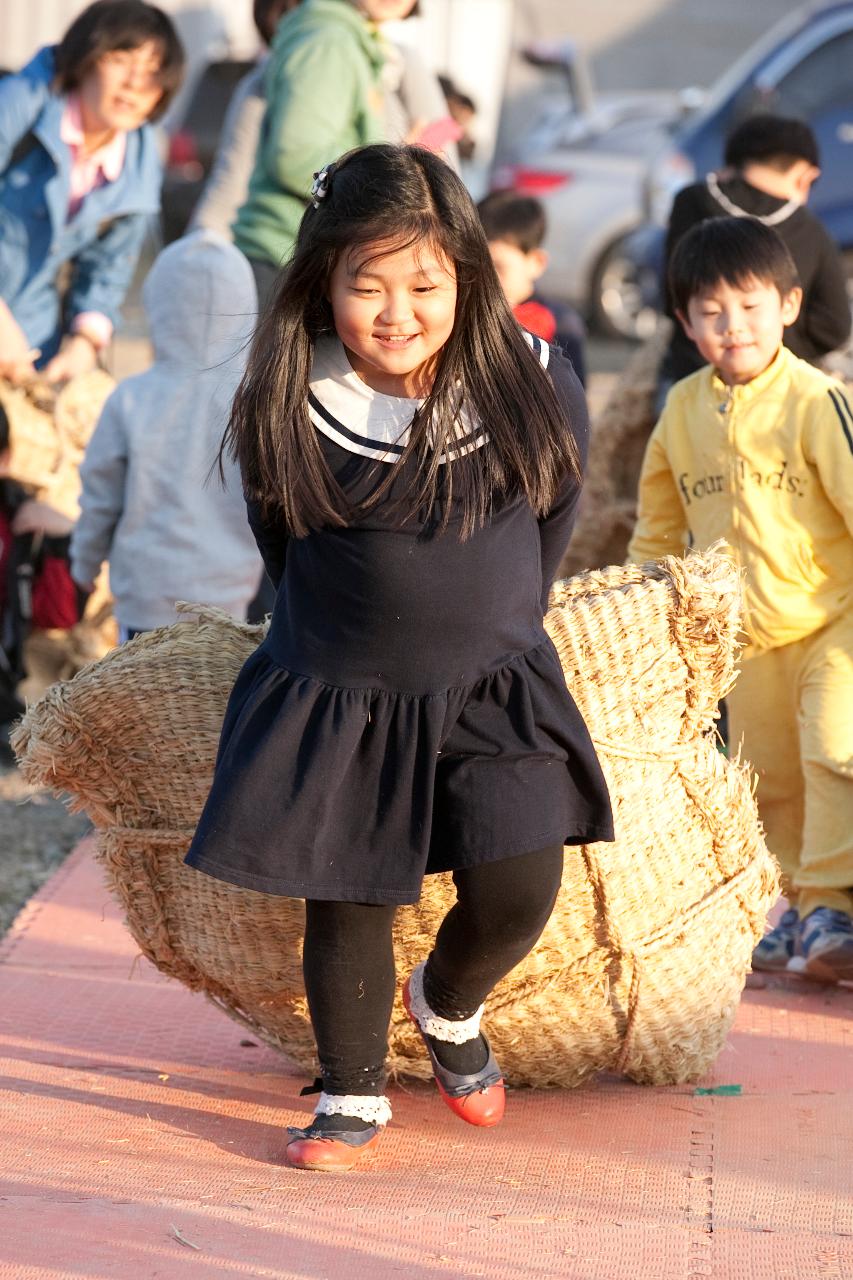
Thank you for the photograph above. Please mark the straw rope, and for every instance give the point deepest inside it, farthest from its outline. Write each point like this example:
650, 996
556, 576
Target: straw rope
659, 755
642, 963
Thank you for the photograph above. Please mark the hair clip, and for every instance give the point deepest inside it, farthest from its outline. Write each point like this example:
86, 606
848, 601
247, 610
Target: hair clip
320, 187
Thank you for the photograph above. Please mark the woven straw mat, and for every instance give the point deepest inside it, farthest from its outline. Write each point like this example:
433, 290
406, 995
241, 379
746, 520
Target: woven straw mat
642, 964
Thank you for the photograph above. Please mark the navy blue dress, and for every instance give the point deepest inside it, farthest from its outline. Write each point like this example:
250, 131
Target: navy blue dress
406, 713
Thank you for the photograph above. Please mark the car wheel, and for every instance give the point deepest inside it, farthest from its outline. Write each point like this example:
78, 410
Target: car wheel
624, 296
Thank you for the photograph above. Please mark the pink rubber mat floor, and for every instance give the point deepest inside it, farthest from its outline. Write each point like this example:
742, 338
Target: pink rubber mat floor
141, 1135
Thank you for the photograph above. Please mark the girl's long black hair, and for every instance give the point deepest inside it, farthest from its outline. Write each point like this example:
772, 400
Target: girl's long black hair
389, 197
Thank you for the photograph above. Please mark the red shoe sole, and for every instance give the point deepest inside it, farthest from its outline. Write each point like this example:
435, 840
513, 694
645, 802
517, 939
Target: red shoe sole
325, 1155
483, 1108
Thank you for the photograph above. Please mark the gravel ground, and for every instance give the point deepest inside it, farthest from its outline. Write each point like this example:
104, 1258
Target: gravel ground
36, 833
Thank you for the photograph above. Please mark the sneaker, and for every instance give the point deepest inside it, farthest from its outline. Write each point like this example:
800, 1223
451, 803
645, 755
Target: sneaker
826, 942
777, 947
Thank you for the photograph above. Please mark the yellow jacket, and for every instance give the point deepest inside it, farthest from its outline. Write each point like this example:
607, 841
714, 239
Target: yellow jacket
768, 466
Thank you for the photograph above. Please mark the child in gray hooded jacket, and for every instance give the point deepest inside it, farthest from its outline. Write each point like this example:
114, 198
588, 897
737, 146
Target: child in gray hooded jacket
152, 504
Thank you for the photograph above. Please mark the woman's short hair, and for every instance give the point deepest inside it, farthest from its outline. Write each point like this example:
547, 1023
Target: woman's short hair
108, 25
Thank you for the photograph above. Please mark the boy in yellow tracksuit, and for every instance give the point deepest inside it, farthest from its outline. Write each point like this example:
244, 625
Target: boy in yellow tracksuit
757, 448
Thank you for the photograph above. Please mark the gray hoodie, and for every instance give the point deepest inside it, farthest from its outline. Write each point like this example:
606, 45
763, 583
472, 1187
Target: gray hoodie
149, 505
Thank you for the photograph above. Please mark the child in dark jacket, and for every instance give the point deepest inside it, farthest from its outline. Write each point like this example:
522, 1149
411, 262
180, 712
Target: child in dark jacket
515, 228
771, 163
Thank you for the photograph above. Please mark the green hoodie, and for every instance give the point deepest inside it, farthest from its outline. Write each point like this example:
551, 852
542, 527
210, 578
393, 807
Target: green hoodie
323, 98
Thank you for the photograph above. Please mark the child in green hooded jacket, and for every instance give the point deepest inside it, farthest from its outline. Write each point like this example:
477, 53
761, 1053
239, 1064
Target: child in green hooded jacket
324, 97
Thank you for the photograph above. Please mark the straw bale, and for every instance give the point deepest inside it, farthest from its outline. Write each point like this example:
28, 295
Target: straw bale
618, 441
49, 429
642, 964
56, 654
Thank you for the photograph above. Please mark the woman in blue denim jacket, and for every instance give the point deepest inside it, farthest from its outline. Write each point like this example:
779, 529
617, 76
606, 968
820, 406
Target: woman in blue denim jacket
79, 177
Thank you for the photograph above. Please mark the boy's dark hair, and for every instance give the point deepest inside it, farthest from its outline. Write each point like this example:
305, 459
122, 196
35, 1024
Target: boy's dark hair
385, 198
520, 220
777, 141
109, 25
5, 437
267, 14
735, 250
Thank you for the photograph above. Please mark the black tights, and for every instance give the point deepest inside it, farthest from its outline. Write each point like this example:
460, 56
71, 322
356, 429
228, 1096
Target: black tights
501, 909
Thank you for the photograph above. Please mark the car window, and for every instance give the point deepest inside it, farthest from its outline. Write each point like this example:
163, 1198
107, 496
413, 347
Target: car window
743, 69
823, 79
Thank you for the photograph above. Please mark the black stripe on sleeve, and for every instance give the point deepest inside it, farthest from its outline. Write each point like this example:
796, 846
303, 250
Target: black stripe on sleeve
845, 417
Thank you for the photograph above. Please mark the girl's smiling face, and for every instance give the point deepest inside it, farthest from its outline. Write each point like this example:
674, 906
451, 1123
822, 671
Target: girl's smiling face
393, 311
122, 89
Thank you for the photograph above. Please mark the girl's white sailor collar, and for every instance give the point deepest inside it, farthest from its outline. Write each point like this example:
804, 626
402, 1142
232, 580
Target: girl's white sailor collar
369, 423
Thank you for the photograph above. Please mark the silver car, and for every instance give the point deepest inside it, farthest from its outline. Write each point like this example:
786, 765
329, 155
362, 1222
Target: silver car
586, 157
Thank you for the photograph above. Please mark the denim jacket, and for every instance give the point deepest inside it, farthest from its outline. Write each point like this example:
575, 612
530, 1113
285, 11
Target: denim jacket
103, 239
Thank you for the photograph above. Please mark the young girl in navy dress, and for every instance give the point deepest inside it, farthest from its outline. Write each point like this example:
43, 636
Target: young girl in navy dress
412, 464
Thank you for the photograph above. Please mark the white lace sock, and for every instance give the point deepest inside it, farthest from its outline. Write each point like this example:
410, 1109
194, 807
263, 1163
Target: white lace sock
367, 1107
432, 1024
457, 1043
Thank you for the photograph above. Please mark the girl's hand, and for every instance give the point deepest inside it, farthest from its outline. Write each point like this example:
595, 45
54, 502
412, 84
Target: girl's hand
33, 516
77, 355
